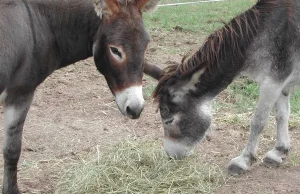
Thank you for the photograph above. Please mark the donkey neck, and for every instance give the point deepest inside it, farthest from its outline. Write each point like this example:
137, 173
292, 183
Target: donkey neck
211, 85
72, 24
217, 77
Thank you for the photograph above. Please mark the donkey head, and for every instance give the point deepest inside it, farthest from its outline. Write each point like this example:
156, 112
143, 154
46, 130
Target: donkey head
119, 49
186, 116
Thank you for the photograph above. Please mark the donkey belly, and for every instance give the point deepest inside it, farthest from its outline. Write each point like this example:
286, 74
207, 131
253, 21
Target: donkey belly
261, 69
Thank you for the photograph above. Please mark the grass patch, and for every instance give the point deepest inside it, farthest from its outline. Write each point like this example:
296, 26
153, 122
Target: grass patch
295, 159
295, 99
149, 87
140, 167
240, 100
246, 94
236, 104
195, 17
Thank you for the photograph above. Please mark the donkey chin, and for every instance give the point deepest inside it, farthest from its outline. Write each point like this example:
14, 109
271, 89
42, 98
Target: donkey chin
131, 102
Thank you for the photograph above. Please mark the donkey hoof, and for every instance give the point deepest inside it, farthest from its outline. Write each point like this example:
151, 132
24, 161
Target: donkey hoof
238, 165
270, 162
234, 169
275, 157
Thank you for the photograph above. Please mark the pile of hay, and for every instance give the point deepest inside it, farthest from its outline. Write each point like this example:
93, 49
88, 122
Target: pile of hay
140, 167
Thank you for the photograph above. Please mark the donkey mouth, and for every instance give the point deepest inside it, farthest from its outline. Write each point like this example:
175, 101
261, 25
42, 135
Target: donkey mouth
177, 150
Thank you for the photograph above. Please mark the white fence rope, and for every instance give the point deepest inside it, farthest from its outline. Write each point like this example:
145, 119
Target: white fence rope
186, 3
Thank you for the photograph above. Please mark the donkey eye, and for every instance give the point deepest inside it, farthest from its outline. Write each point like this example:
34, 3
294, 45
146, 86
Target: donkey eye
169, 121
115, 51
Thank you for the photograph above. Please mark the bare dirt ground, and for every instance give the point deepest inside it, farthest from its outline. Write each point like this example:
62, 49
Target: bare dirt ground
73, 112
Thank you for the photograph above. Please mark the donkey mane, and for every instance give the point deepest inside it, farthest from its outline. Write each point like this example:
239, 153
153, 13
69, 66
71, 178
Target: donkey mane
236, 35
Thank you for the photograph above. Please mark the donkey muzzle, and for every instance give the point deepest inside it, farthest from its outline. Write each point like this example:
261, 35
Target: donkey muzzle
177, 150
131, 102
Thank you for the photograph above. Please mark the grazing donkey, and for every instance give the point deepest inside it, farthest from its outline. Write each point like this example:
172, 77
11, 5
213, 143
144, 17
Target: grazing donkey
262, 43
40, 36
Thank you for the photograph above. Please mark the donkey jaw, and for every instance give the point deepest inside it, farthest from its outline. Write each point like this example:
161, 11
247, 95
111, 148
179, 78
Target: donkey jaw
131, 102
176, 149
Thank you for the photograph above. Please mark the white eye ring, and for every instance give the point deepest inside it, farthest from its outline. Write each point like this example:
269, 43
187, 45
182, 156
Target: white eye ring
117, 53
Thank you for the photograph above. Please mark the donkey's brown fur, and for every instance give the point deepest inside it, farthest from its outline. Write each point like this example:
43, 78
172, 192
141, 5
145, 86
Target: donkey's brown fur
38, 37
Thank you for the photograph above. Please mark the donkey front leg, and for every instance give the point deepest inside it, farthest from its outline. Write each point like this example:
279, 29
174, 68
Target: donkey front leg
15, 111
269, 92
282, 108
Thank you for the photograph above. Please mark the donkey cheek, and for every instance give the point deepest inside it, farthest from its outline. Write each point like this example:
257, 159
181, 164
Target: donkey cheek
172, 133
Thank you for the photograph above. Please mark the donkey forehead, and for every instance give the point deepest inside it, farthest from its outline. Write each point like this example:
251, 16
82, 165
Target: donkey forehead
126, 27
178, 91
129, 40
126, 3
129, 29
127, 12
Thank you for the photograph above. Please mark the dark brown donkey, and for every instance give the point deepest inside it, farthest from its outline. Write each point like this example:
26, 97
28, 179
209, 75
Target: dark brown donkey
38, 37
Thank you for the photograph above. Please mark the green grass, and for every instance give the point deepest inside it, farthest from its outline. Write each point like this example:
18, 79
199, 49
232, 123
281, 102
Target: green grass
295, 158
195, 17
245, 95
149, 87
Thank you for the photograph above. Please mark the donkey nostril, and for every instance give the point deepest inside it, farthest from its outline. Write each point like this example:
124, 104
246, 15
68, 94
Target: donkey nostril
129, 111
134, 114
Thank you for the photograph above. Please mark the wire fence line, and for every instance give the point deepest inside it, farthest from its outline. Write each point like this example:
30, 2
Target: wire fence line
186, 3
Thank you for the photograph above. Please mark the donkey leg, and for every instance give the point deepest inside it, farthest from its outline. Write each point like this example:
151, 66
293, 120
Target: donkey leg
15, 111
269, 92
282, 108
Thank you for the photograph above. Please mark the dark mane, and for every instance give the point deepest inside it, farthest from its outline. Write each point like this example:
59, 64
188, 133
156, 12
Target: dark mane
243, 27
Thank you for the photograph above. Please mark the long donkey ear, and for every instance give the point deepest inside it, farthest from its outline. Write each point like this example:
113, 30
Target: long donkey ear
152, 70
193, 79
147, 5
106, 8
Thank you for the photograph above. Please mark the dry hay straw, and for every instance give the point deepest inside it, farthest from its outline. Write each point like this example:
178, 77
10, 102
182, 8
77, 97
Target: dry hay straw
140, 167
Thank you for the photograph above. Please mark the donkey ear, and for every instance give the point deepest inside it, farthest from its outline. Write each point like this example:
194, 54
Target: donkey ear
195, 78
147, 5
152, 70
181, 89
106, 8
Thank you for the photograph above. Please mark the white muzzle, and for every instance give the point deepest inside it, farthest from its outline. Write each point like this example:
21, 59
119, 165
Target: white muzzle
131, 102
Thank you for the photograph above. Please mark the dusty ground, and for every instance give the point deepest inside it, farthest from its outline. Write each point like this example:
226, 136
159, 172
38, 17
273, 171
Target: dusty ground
74, 112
